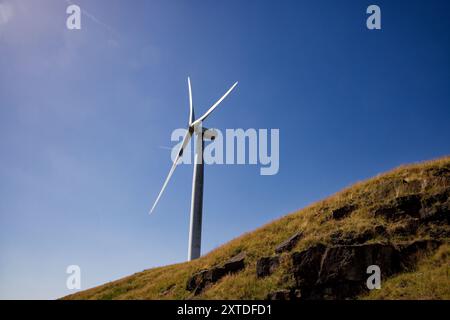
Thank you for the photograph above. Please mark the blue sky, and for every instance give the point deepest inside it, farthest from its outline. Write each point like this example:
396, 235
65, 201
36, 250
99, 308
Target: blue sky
83, 116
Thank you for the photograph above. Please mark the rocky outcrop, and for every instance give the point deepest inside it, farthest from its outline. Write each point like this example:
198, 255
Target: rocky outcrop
431, 208
412, 252
436, 207
207, 277
288, 244
353, 237
340, 272
343, 270
342, 212
265, 266
407, 228
204, 278
285, 294
399, 207
306, 265
235, 264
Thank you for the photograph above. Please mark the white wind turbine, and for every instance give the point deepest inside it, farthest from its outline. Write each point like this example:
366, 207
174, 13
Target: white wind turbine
195, 127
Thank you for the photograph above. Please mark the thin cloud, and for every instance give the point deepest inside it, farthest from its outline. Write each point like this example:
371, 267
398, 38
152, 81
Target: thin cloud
6, 13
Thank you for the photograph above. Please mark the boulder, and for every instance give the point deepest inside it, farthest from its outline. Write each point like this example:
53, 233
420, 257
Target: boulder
265, 266
207, 277
235, 264
288, 244
197, 281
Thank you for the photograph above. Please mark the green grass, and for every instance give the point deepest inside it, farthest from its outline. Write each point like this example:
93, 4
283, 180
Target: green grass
315, 222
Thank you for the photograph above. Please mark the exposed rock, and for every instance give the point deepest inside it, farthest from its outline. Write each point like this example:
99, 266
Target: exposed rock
400, 207
340, 237
409, 227
441, 197
279, 295
266, 266
288, 244
437, 231
432, 208
286, 294
340, 272
412, 252
197, 281
342, 212
235, 264
439, 172
204, 278
343, 270
168, 289
352, 237
436, 208
380, 230
306, 265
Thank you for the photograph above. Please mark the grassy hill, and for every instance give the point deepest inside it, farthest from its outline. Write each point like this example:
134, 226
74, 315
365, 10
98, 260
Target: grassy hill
399, 219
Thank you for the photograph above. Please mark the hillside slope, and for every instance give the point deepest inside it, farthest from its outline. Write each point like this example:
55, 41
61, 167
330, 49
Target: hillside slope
398, 221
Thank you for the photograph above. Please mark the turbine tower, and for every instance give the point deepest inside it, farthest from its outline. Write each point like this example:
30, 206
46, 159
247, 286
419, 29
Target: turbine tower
195, 127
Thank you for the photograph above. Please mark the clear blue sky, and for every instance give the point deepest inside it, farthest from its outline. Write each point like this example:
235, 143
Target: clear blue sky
83, 115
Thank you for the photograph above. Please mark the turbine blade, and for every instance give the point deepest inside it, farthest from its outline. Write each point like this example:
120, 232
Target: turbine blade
203, 117
172, 169
191, 106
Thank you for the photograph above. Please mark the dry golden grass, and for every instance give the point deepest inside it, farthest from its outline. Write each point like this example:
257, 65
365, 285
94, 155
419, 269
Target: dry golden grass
315, 222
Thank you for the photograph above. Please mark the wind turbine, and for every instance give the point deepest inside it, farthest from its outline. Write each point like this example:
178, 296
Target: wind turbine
195, 127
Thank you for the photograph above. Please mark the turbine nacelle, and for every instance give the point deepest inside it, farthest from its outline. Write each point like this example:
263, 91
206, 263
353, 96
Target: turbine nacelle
208, 134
